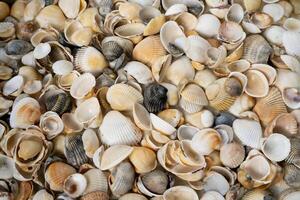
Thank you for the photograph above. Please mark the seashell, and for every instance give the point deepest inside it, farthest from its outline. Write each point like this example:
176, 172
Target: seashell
186, 132
71, 8
212, 195
217, 96
274, 34
51, 16
216, 56
97, 195
291, 175
140, 72
17, 9
235, 13
155, 97
172, 116
206, 141
98, 156
204, 78
287, 39
261, 20
292, 24
74, 150
248, 132
272, 100
235, 84
256, 49
42, 194
267, 70
96, 181
275, 10
215, 182
32, 9
51, 124
90, 17
187, 20
90, 142
4, 10
284, 123
148, 50
161, 125
41, 50
232, 33
197, 50
257, 194
115, 155
242, 104
120, 91
56, 100
226, 133
252, 88
171, 94
25, 30
7, 30
25, 113
62, 67
76, 34
176, 9
75, 185
17, 48
132, 32
7, 166
202, 119
130, 10
88, 110
252, 6
232, 155
89, 59
143, 159
160, 67
43, 36
13, 86
224, 118
141, 117
56, 173
121, 179
133, 196
5, 72
181, 192
82, 85
171, 37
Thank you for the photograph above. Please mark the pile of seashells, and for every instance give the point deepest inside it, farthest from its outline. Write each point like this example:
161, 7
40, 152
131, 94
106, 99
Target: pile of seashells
150, 99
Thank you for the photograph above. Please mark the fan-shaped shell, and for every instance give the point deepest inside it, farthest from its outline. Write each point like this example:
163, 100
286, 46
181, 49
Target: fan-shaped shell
88, 110
161, 125
96, 181
74, 150
51, 16
257, 85
90, 142
139, 71
42, 194
208, 25
232, 154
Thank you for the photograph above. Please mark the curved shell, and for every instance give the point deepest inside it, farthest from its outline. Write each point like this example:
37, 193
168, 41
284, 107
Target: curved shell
118, 129
172, 116
232, 154
143, 159
196, 48
141, 117
42, 194
77, 181
212, 195
114, 155
235, 13
90, 142
74, 150
208, 25
51, 124
274, 34
161, 125
51, 16
132, 196
82, 85
155, 97
76, 34
181, 192
139, 72
253, 88
291, 175
97, 195
215, 182
88, 110
202, 119
96, 181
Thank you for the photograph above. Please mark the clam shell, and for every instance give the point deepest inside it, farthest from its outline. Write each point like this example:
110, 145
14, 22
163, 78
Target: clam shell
25, 112
4, 10
62, 67
196, 48
56, 100
292, 24
232, 154
42, 194
289, 39
140, 72
257, 194
118, 129
132, 196
242, 104
208, 25
5, 73
204, 78
96, 181
32, 9
176, 73
89, 59
202, 119
267, 70
249, 132
148, 50
155, 97
6, 168
71, 123
176, 9
76, 34
74, 150
212, 195
77, 181
114, 155
14, 86
82, 85
186, 132
284, 123
261, 20
215, 182
187, 20
141, 117
56, 174
7, 29
90, 142
235, 13
224, 118
17, 48
252, 88
274, 101
230, 32
89, 18
143, 159
274, 34
118, 92
51, 124
172, 116
97, 195
252, 5
71, 8
88, 110
256, 49
161, 125
275, 10
121, 179
291, 175
181, 192
51, 16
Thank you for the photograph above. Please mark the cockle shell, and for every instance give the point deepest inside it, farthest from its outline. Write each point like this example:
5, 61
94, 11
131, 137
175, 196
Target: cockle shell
97, 195
196, 48
257, 194
118, 129
14, 86
90, 18
90, 142
172, 116
172, 93
292, 175
114, 155
133, 32
71, 123
235, 13
77, 181
202, 119
76, 34
292, 24
96, 181
5, 72
249, 132
141, 117
284, 123
155, 97
71, 8
181, 192
139, 71
232, 154
42, 194
32, 9
253, 88
215, 182
269, 71
204, 77
88, 110
74, 150
275, 10
143, 159
274, 34
82, 85
51, 16
208, 25
56, 100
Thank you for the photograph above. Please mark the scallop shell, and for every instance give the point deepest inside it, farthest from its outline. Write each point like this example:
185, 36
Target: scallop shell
155, 97
56, 174
249, 132
77, 181
82, 85
232, 154
140, 72
74, 150
96, 181
208, 25
256, 49
51, 16
121, 179
181, 192
148, 50
118, 129
252, 88
274, 101
114, 155
25, 112
143, 159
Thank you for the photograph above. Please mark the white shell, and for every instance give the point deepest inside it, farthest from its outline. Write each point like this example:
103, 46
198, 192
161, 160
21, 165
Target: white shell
180, 192
249, 132
274, 34
14, 86
139, 71
275, 10
235, 13
90, 142
212, 195
176, 9
292, 24
42, 195
118, 129
291, 42
41, 50
161, 125
82, 85
208, 25
77, 181
87, 110
96, 181
196, 48
62, 67
51, 124
215, 182
114, 155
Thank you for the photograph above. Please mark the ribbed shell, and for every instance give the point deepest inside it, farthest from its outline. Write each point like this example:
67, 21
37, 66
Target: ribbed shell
112, 50
114, 155
294, 156
224, 118
257, 194
292, 175
96, 181
74, 150
215, 182
98, 195
121, 179
267, 108
232, 155
59, 102
249, 132
155, 97
257, 49
156, 181
118, 129
122, 97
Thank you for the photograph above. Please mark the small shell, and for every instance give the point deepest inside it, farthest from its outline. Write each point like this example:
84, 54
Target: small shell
257, 194
269, 107
74, 150
7, 29
274, 34
42, 194
172, 93
284, 123
292, 175
5, 72
187, 20
289, 39
208, 25
172, 116
275, 10
232, 155
121, 179
118, 129
176, 9
90, 18
242, 104
204, 78
196, 48
70, 8
4, 10
82, 85
71, 123
56, 174
62, 67
90, 142
140, 72
212, 195
249, 132
143, 159
51, 16
215, 182
161, 125
261, 20
17, 48
88, 110
132, 196
96, 181
51, 124
14, 86
253, 88
148, 50
7, 166
75, 185
292, 24
235, 13
133, 32
141, 117
225, 118
114, 155
231, 32
256, 49
180, 192
252, 5
97, 195
155, 97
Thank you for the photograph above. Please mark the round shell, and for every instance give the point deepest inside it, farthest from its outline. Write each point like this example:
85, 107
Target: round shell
232, 154
143, 159
75, 185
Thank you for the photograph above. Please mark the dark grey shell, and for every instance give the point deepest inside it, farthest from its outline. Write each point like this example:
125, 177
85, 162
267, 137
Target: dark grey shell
112, 50
233, 87
106, 79
294, 156
74, 150
224, 118
156, 181
18, 48
155, 97
59, 102
292, 175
